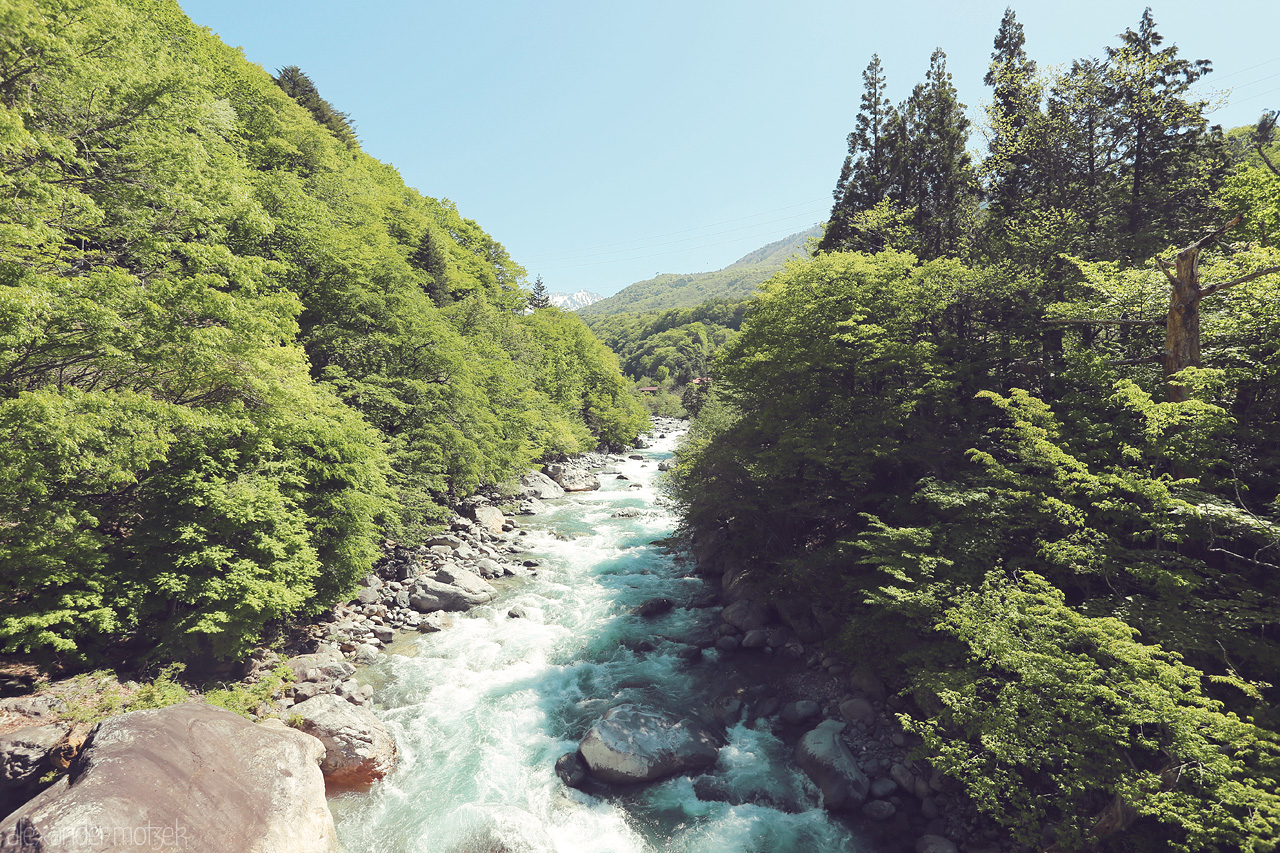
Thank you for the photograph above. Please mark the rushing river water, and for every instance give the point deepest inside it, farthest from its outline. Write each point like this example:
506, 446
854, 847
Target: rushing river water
482, 711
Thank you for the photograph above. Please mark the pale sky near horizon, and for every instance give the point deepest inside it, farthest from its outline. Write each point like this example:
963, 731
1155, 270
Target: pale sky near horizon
602, 142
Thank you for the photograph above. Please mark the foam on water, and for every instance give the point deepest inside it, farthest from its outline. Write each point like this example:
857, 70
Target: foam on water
482, 711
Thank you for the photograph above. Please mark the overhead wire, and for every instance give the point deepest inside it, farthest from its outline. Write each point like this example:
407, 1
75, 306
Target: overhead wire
687, 239
673, 233
658, 254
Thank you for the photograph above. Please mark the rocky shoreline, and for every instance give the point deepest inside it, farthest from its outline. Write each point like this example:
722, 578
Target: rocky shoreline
80, 788
836, 713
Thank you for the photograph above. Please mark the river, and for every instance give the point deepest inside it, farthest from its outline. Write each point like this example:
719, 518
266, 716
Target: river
482, 711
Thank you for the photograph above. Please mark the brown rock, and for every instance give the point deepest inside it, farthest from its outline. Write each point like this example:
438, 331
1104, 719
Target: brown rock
188, 775
358, 748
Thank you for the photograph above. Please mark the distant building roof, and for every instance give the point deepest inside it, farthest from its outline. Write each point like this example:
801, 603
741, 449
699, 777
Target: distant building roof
650, 388
701, 380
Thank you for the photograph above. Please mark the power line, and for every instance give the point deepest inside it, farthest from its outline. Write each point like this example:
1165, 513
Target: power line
654, 255
804, 214
1259, 95
673, 233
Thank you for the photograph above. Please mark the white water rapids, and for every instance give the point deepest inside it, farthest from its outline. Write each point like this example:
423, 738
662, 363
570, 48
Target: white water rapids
482, 711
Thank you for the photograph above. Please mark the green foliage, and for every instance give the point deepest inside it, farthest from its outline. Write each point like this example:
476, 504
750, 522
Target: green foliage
1056, 717
735, 282
235, 351
250, 700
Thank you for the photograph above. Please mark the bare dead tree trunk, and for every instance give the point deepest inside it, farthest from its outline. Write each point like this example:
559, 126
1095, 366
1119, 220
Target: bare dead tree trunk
1182, 326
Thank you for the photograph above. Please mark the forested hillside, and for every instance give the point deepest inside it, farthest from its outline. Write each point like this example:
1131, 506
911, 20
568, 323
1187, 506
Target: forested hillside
236, 351
735, 282
1016, 425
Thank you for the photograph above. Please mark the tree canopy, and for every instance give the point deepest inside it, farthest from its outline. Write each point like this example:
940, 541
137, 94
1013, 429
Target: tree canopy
236, 351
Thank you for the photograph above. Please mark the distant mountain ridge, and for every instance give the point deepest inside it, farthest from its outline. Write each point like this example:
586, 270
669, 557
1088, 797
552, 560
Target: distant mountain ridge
735, 282
574, 301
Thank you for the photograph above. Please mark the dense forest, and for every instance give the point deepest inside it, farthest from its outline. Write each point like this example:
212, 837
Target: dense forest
1016, 424
236, 352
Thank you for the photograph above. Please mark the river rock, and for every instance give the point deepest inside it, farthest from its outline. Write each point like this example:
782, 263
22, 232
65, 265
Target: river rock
655, 607
490, 518
828, 762
800, 711
798, 616
188, 776
934, 844
858, 710
453, 589
433, 622
358, 748
879, 809
24, 758
630, 744
536, 484
573, 479
746, 615
572, 769
756, 638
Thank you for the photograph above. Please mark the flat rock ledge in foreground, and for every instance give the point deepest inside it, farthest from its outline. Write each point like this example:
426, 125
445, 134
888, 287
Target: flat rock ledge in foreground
185, 777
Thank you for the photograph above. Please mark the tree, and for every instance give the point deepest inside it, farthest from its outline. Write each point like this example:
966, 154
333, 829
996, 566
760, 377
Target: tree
864, 178
933, 173
538, 299
1264, 134
1168, 159
297, 85
1013, 111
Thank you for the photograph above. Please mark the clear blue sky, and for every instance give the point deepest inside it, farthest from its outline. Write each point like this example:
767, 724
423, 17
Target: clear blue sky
602, 142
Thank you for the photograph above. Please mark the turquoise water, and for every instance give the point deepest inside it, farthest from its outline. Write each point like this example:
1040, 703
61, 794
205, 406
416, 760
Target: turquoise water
482, 711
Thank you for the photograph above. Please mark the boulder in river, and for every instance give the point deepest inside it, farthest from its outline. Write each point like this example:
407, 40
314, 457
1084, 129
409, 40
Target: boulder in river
188, 776
828, 762
655, 607
573, 479
452, 589
536, 484
630, 744
358, 748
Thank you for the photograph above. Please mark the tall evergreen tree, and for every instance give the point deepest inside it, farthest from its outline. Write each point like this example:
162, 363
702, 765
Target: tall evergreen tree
1014, 108
297, 85
933, 172
865, 175
539, 297
1169, 158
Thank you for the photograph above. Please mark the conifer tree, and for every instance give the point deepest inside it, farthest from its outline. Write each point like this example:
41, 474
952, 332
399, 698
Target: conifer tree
934, 174
1014, 109
539, 297
1169, 159
865, 177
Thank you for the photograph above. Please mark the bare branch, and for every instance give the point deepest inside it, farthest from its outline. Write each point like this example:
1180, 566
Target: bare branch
1164, 268
1214, 288
1210, 238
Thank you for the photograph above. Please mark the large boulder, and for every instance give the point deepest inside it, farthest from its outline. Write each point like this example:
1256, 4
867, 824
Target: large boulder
828, 762
631, 745
573, 479
24, 759
490, 518
746, 614
358, 749
536, 484
188, 776
452, 589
